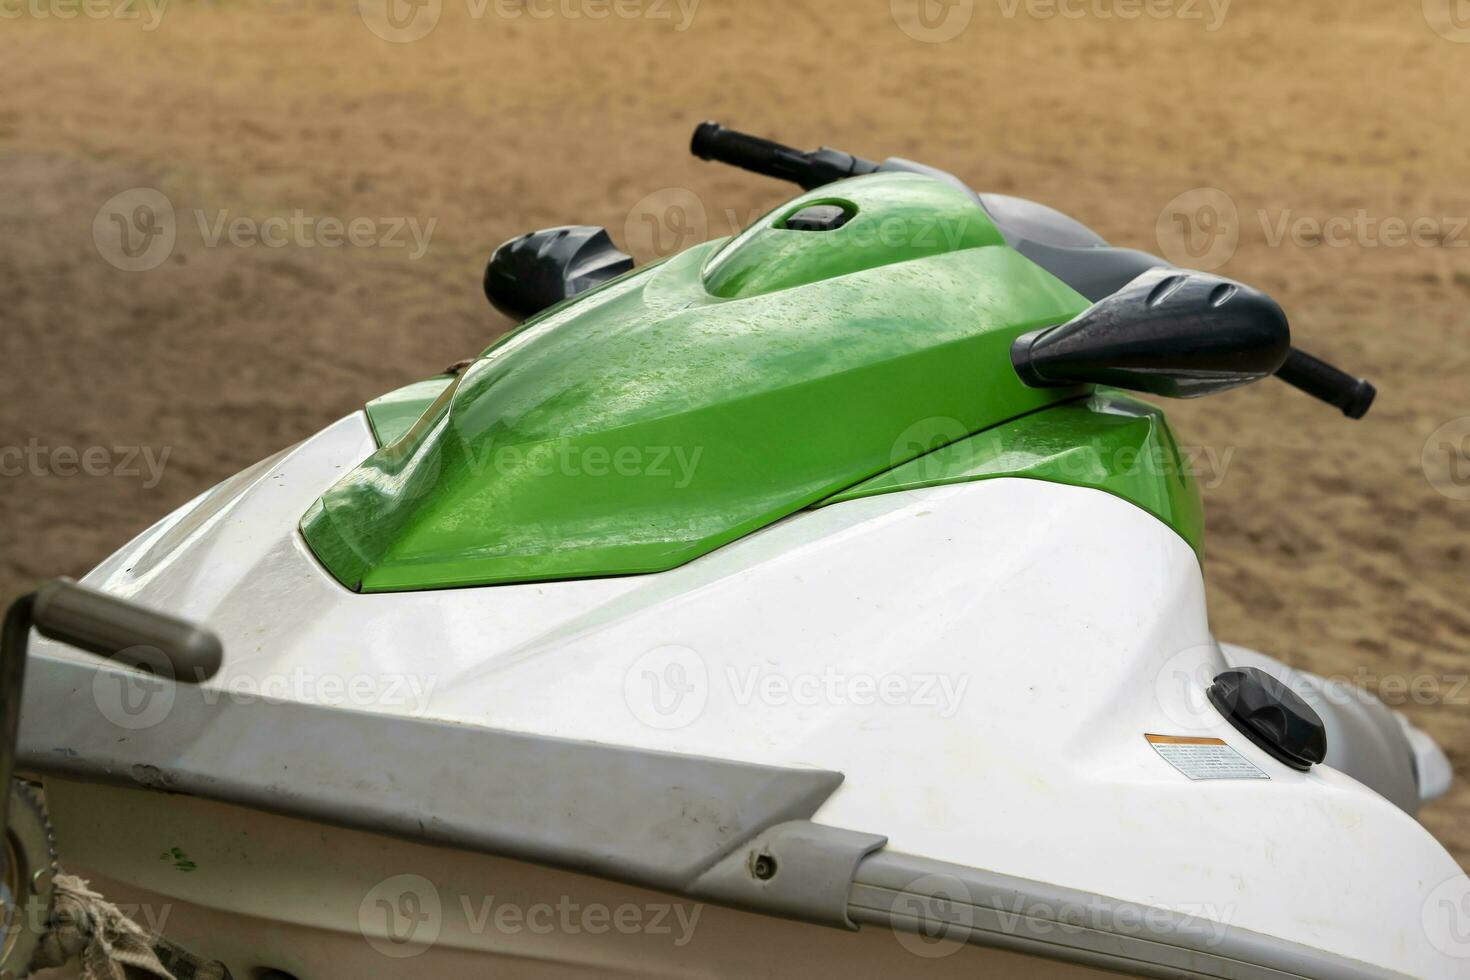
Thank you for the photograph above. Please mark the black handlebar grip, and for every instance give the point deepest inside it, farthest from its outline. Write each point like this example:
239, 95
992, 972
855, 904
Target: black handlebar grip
124, 631
762, 156
1321, 380
714, 142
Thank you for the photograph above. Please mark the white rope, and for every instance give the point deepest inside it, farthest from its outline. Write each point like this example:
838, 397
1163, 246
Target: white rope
107, 945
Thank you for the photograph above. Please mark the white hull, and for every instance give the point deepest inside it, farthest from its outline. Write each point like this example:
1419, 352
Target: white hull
274, 893
981, 662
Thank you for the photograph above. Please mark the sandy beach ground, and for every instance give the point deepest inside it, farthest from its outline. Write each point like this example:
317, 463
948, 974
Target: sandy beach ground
1317, 149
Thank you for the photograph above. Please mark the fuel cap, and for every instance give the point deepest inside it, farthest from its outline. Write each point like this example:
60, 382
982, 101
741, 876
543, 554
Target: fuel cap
1272, 715
819, 217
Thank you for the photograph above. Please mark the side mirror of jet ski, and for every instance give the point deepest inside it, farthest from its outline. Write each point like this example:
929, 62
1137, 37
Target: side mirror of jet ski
1168, 332
538, 270
1181, 334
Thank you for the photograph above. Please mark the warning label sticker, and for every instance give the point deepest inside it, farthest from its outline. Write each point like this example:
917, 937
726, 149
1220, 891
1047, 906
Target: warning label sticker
1204, 758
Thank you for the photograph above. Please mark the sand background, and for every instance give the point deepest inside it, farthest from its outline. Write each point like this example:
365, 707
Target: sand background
1328, 543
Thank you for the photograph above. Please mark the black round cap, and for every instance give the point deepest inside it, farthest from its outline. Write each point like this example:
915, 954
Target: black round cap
1272, 715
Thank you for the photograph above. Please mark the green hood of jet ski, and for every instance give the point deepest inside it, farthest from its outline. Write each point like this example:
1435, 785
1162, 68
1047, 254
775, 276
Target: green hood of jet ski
686, 404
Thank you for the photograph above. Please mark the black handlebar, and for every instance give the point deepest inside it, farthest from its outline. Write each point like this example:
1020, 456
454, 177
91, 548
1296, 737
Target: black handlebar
1321, 380
808, 170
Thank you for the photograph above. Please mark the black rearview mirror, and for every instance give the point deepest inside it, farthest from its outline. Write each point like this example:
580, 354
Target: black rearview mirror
1169, 332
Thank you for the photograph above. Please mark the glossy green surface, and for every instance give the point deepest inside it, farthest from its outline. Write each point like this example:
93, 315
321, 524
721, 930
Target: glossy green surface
653, 421
899, 217
396, 412
1109, 442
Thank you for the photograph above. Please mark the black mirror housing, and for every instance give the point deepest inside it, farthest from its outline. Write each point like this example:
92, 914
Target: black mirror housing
1169, 332
538, 270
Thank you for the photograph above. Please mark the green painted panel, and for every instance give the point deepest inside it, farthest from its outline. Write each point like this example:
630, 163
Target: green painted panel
898, 218
653, 420
395, 413
1109, 442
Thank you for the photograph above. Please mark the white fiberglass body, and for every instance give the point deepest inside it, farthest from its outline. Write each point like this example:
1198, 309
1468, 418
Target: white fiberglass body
982, 662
